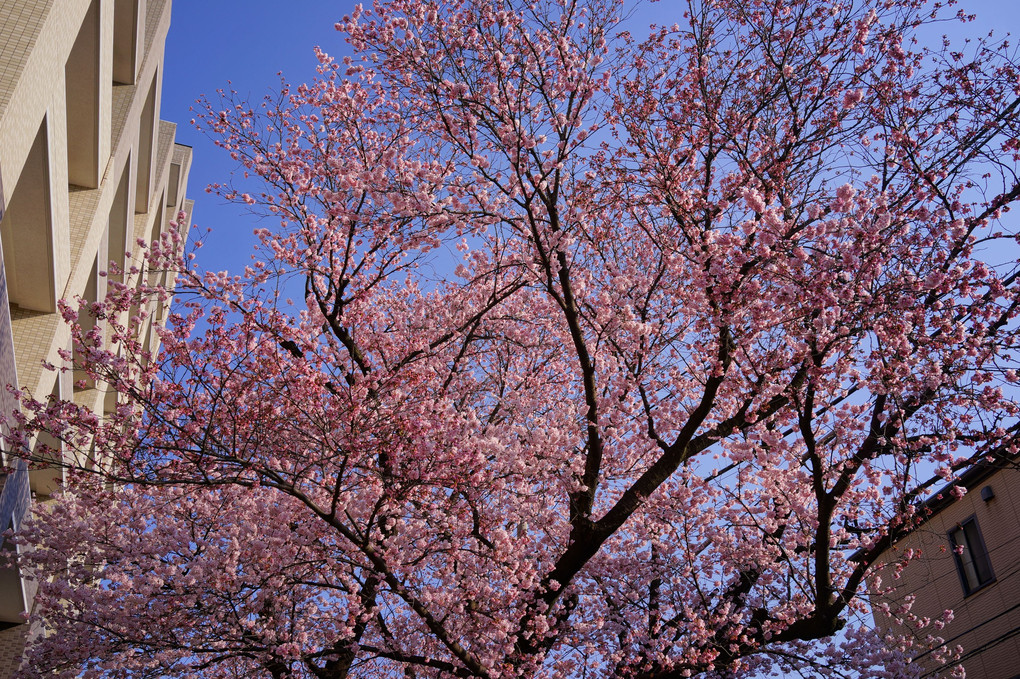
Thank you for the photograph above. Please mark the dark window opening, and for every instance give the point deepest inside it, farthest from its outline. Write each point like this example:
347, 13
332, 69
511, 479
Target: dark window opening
971, 556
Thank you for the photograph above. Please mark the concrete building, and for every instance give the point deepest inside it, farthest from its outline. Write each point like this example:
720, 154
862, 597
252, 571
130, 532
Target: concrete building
966, 558
86, 168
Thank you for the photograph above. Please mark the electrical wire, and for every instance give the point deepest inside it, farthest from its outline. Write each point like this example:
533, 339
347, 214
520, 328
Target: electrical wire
975, 651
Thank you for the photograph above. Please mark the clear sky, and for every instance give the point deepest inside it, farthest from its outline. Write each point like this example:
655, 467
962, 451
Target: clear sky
249, 41
246, 42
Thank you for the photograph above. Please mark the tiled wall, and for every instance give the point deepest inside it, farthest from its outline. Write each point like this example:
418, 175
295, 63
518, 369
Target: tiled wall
12, 643
35, 40
20, 23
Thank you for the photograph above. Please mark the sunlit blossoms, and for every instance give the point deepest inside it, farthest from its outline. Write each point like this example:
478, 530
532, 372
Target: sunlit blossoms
568, 349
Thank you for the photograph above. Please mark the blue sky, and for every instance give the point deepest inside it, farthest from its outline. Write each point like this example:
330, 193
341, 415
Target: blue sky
249, 41
246, 42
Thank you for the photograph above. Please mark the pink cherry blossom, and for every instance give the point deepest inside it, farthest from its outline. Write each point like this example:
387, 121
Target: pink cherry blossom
567, 349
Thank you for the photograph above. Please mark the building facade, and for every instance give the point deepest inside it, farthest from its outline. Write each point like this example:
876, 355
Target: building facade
86, 169
965, 558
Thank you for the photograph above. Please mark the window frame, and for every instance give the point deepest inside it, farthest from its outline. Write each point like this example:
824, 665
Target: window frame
979, 554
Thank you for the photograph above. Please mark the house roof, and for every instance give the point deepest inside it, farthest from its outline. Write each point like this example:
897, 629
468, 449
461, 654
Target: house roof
972, 477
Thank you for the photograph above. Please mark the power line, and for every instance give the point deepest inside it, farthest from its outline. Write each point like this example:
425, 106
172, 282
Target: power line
966, 632
975, 651
971, 653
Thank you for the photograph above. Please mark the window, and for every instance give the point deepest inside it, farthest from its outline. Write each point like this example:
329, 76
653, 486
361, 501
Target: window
971, 556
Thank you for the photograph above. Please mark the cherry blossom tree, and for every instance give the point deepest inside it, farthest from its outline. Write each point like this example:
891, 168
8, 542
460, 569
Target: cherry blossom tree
567, 350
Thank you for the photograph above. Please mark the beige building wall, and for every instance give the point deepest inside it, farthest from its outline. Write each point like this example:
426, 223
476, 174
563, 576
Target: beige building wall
986, 620
86, 168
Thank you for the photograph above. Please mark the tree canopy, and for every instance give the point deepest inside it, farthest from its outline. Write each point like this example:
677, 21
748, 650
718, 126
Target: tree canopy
568, 349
